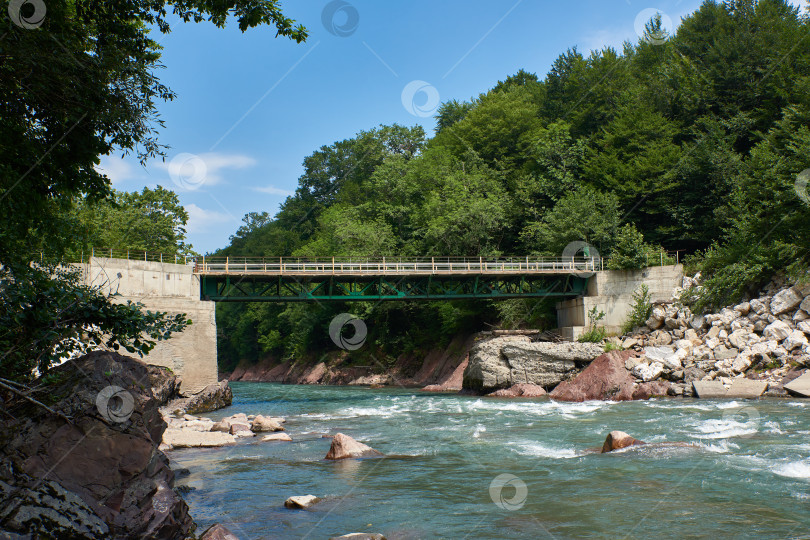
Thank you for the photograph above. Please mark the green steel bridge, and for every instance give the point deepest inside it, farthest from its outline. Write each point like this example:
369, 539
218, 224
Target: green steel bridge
285, 279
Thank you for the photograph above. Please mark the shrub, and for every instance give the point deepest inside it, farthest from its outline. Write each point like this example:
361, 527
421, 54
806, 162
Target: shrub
594, 334
640, 310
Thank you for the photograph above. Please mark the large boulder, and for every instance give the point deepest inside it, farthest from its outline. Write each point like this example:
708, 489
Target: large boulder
616, 440
506, 361
211, 398
344, 447
606, 378
95, 471
218, 532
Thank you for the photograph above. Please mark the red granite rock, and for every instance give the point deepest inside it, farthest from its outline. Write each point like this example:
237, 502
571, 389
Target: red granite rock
605, 378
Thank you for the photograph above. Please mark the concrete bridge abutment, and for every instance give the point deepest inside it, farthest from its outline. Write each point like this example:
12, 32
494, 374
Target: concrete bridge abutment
171, 288
612, 291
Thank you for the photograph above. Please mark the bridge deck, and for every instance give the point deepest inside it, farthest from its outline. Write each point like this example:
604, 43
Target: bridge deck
229, 266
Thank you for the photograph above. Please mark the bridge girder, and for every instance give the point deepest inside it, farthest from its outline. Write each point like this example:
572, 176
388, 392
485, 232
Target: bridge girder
253, 288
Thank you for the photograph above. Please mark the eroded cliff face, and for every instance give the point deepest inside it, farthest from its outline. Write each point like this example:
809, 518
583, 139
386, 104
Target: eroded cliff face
96, 472
439, 370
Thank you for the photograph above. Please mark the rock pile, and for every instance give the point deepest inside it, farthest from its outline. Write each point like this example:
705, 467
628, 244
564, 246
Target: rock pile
763, 338
190, 431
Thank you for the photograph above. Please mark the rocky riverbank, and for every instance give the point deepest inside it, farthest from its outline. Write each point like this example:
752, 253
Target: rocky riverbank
90, 467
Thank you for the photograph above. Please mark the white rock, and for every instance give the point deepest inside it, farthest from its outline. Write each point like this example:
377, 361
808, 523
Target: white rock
711, 342
304, 501
800, 315
764, 347
281, 436
795, 340
740, 364
780, 352
804, 326
698, 322
758, 306
648, 372
777, 330
785, 300
665, 355
743, 308
805, 305
723, 334
684, 344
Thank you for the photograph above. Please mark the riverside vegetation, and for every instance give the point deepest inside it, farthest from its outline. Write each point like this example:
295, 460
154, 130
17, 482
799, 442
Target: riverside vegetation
697, 144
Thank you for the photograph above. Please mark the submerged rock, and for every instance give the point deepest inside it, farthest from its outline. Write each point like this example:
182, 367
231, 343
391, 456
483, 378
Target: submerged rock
505, 361
283, 437
616, 440
606, 378
218, 532
262, 424
303, 501
520, 390
344, 447
359, 536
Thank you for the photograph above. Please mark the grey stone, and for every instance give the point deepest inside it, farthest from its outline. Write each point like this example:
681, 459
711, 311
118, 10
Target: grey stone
805, 305
722, 353
503, 362
709, 389
746, 388
785, 300
800, 386
692, 374
777, 330
303, 501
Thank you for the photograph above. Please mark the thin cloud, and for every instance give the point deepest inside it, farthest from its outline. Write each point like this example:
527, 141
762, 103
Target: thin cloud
202, 220
190, 171
116, 169
272, 190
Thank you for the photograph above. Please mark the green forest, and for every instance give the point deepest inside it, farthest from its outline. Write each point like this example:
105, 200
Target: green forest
696, 142
692, 144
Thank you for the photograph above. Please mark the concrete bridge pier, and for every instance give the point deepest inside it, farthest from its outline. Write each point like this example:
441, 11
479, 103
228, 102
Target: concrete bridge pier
172, 288
612, 291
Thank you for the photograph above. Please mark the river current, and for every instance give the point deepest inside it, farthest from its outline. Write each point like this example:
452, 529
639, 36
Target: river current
469, 467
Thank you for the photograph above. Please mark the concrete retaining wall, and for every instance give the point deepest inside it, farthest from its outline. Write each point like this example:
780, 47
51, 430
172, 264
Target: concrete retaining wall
612, 291
171, 288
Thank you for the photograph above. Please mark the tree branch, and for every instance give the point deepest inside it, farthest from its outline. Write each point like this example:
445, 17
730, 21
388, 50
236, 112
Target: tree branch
35, 402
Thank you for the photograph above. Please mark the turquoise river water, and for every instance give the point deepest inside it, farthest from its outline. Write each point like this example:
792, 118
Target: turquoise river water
469, 467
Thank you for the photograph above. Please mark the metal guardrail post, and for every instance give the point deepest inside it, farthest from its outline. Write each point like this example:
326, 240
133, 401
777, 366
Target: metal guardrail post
227, 260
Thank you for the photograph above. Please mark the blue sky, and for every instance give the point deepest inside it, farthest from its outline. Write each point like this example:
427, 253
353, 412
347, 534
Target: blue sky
250, 106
